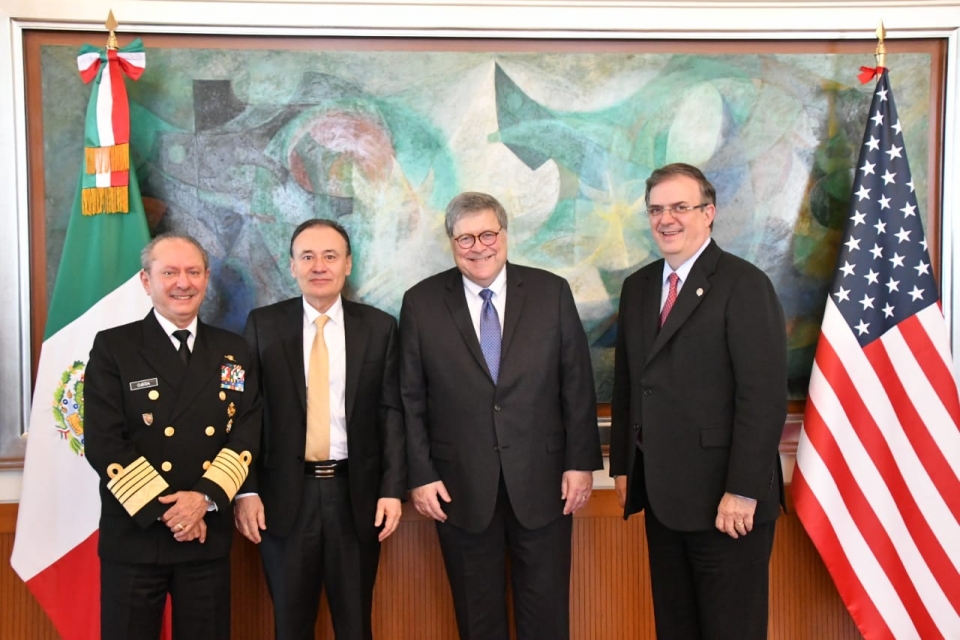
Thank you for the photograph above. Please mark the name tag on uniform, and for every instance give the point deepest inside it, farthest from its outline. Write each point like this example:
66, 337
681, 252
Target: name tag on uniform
149, 383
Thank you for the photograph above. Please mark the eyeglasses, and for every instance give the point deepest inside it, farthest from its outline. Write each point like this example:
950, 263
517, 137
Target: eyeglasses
677, 210
486, 238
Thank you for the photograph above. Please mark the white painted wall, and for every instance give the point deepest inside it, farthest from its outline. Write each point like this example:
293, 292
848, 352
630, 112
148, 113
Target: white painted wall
616, 19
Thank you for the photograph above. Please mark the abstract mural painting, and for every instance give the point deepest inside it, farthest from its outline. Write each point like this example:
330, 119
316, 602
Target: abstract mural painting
237, 146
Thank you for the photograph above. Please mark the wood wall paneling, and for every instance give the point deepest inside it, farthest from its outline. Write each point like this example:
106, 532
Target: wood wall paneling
610, 591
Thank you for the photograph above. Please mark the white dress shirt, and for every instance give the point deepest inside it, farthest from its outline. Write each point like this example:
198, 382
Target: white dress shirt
168, 328
333, 335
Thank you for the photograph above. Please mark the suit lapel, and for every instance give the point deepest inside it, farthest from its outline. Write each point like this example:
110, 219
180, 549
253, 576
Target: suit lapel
457, 304
650, 314
692, 293
356, 333
291, 328
514, 307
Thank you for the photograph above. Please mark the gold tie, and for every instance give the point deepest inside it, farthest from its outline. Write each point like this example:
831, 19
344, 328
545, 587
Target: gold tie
318, 397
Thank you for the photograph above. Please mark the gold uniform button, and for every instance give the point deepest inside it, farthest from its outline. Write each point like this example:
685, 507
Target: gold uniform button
153, 395
166, 466
206, 465
210, 431
223, 395
169, 431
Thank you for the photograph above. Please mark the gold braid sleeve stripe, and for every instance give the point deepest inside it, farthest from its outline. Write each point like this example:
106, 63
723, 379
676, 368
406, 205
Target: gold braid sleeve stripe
135, 485
229, 470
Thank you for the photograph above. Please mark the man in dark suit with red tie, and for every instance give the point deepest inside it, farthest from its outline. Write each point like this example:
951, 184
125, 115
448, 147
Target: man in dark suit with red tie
502, 436
332, 474
699, 403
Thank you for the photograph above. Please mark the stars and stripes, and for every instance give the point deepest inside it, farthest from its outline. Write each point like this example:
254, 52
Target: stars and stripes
877, 480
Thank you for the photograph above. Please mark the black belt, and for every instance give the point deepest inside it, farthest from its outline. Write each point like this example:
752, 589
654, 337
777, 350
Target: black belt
326, 469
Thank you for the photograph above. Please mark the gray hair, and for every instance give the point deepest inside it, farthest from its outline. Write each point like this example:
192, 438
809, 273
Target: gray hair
146, 255
470, 202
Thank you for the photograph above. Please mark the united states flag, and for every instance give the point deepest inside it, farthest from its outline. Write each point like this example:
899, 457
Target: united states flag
877, 480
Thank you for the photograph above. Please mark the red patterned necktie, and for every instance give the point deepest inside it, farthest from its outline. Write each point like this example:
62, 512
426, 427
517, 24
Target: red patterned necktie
673, 279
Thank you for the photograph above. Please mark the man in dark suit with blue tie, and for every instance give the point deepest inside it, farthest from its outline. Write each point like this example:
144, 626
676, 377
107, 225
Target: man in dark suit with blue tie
500, 412
699, 403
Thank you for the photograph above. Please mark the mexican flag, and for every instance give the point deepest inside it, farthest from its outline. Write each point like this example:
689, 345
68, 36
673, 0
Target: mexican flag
97, 287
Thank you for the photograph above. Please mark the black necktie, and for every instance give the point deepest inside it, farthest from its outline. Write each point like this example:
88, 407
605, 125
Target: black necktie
184, 350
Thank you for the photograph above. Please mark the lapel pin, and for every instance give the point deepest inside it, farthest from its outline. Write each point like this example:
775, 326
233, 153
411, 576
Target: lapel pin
231, 409
699, 292
148, 419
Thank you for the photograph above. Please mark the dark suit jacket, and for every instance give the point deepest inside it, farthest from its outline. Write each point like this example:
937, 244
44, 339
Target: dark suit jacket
374, 417
538, 421
708, 391
182, 437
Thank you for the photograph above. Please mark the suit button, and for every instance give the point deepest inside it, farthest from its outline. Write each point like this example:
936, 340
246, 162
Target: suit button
496, 448
647, 392
636, 427
496, 407
166, 466
169, 431
206, 465
210, 431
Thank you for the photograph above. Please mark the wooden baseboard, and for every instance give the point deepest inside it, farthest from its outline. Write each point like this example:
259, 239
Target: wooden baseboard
609, 585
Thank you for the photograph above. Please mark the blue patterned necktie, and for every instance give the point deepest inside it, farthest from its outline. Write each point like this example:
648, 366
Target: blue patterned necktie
490, 334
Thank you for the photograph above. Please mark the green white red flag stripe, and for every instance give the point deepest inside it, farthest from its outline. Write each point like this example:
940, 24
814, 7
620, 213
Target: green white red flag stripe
97, 286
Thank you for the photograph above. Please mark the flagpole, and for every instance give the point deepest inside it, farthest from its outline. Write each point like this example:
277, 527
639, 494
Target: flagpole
881, 53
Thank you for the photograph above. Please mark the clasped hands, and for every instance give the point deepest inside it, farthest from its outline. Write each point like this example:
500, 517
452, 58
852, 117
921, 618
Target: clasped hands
185, 517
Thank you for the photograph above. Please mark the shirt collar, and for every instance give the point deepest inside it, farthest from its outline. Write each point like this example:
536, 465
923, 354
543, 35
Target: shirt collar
168, 327
497, 286
684, 270
335, 312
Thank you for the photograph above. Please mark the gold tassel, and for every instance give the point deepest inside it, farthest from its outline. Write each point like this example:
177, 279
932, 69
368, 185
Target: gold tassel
105, 200
107, 159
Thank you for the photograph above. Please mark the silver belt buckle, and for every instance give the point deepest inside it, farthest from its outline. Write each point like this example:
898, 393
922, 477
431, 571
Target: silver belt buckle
325, 472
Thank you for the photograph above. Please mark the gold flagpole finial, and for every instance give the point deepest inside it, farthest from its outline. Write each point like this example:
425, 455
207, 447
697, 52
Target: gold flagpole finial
111, 25
881, 53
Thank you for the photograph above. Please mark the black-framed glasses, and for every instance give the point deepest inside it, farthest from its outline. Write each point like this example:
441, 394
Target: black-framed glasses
486, 238
677, 210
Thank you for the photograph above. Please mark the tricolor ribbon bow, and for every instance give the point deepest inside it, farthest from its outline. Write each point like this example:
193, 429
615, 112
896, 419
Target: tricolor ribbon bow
107, 128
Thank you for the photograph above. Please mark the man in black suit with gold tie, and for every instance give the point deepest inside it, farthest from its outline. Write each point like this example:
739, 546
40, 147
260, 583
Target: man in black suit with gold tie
172, 422
328, 487
502, 436
699, 403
